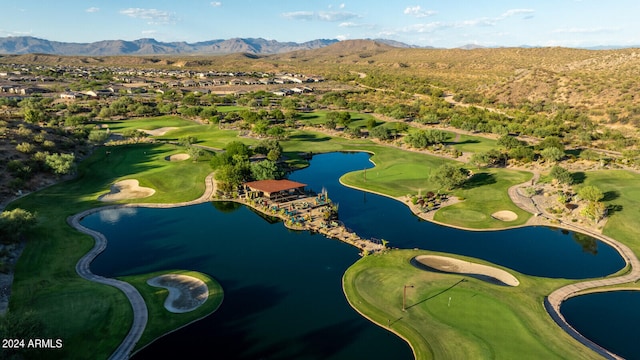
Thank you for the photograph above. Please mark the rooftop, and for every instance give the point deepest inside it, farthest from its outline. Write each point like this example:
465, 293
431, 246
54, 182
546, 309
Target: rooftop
271, 186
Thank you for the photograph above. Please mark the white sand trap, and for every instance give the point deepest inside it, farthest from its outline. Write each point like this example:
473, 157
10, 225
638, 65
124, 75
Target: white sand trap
159, 131
186, 293
451, 265
126, 189
505, 215
177, 157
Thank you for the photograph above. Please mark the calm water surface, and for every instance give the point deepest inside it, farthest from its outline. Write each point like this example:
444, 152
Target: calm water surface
610, 319
538, 251
283, 294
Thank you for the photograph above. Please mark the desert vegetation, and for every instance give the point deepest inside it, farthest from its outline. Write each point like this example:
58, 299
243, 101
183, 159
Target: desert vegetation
441, 124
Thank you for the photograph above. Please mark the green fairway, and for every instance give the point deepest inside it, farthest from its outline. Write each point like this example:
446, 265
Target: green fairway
90, 318
470, 143
397, 172
622, 192
450, 316
162, 321
485, 194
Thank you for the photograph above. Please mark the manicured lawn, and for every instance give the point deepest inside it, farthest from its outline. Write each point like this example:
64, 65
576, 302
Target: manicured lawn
208, 135
622, 190
162, 321
91, 319
450, 316
483, 195
474, 144
397, 172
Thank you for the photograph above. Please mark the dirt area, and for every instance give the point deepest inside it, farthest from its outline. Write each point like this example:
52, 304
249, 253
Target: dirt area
186, 293
451, 265
177, 157
158, 132
505, 215
126, 189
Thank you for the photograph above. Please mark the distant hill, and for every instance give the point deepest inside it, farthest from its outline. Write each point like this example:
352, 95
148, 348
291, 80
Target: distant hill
30, 45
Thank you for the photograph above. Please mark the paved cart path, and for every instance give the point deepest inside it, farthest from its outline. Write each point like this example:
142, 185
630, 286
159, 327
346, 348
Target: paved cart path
140, 313
553, 302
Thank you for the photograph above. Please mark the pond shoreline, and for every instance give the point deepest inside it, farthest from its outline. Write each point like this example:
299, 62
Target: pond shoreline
554, 300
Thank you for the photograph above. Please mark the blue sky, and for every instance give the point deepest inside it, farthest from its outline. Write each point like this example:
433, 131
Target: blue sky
453, 23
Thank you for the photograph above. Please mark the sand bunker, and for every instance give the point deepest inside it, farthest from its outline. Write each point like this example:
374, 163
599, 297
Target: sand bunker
158, 132
126, 189
505, 215
177, 157
451, 265
186, 293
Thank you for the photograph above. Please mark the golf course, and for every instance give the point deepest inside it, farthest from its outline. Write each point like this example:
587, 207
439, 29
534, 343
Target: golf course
446, 315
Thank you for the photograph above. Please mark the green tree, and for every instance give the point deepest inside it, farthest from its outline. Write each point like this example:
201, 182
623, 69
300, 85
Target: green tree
330, 124
551, 141
371, 123
509, 142
33, 116
260, 127
594, 209
277, 132
561, 174
380, 132
265, 170
98, 136
194, 152
25, 147
590, 193
14, 223
228, 177
522, 153
552, 154
450, 176
238, 148
187, 140
61, 164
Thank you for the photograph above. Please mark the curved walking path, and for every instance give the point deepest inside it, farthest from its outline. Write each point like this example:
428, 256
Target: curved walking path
140, 312
554, 300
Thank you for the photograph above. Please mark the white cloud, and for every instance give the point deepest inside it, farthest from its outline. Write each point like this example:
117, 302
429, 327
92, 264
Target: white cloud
149, 32
92, 10
349, 25
418, 12
216, 3
585, 30
342, 6
16, 33
329, 16
514, 12
154, 16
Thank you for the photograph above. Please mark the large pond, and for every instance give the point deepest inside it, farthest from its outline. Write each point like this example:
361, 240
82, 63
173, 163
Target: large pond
610, 319
283, 294
539, 251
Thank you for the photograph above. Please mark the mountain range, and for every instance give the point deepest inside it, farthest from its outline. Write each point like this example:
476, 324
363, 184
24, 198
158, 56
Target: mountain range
19, 45
29, 45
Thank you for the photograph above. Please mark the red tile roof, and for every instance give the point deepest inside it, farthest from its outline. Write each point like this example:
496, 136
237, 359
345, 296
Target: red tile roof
271, 186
